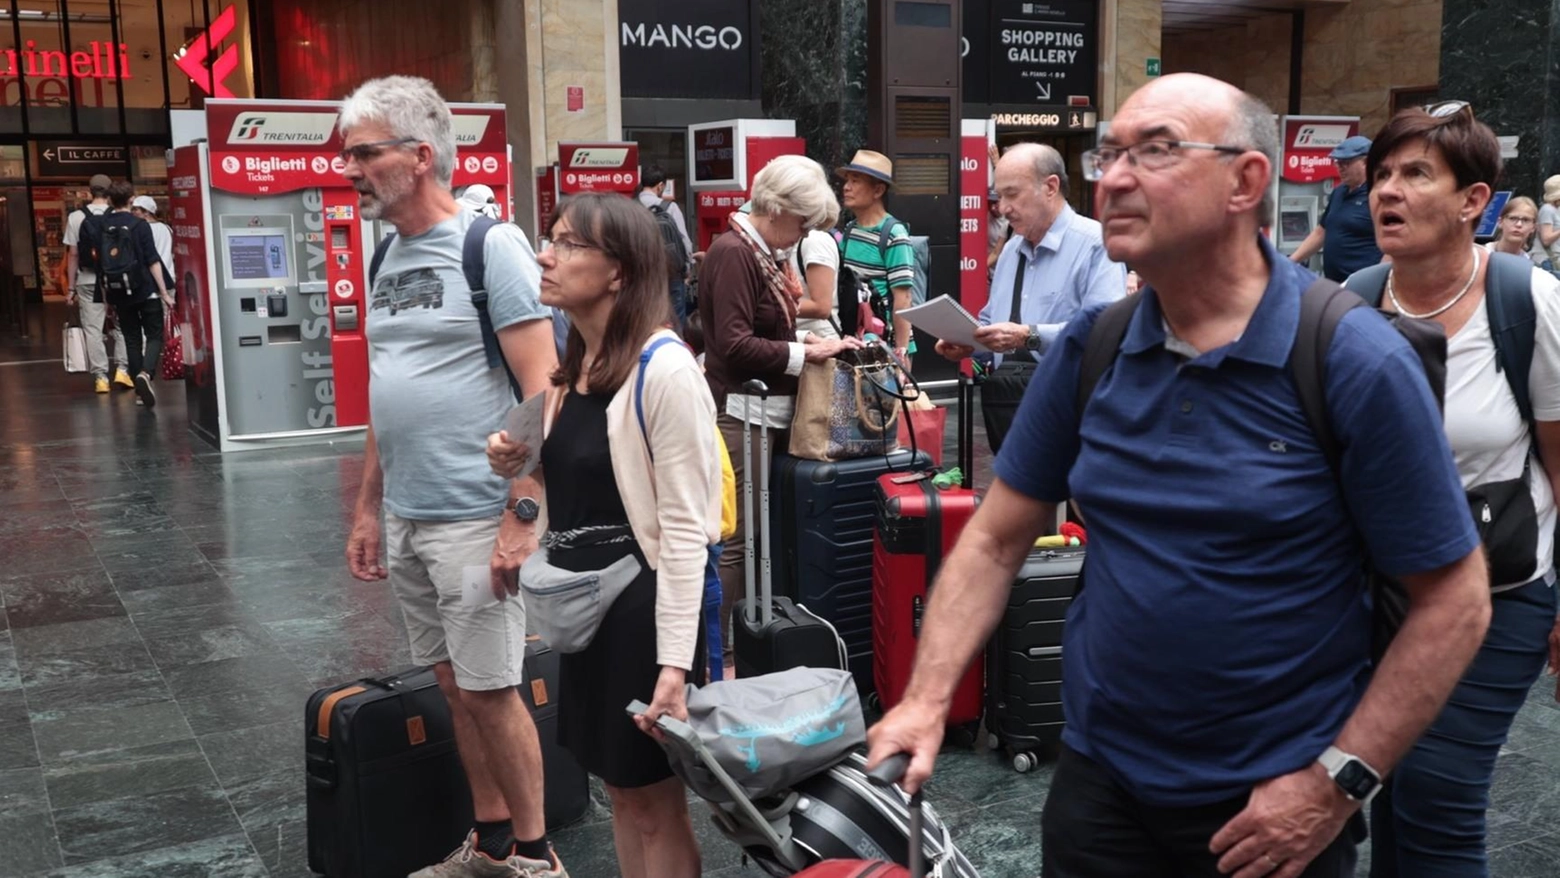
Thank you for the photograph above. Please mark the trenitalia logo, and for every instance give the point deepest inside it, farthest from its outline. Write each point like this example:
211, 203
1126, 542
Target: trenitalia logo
192, 57
302, 129
1320, 136
598, 157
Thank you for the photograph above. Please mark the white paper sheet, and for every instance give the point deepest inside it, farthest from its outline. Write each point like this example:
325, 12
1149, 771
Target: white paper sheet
947, 320
524, 425
476, 586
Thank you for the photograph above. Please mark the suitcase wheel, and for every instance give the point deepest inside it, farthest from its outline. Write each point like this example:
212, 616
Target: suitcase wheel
874, 702
1023, 763
993, 742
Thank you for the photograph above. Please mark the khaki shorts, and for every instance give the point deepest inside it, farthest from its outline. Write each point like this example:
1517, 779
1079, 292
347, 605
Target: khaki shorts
484, 642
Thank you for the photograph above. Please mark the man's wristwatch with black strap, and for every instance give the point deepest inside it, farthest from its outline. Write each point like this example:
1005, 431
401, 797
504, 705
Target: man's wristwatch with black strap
1032, 341
1352, 774
525, 508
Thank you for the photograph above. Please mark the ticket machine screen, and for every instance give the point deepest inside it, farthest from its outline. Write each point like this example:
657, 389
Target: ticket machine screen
1295, 225
257, 258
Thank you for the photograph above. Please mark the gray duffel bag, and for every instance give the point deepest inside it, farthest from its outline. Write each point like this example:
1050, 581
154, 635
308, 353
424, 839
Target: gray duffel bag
770, 732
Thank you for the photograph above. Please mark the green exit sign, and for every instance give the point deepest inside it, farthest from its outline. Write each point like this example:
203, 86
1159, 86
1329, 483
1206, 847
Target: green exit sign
1153, 67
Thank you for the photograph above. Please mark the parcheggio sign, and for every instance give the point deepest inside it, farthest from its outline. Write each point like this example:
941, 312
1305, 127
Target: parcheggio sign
688, 48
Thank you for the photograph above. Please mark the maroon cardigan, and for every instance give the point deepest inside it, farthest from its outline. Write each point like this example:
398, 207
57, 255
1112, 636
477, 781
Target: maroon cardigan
747, 334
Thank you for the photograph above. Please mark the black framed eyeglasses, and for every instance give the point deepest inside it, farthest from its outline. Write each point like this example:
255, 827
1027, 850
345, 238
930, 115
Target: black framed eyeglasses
1150, 155
1447, 109
364, 152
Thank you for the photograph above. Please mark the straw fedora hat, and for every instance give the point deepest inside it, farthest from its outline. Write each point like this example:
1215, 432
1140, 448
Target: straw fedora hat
873, 164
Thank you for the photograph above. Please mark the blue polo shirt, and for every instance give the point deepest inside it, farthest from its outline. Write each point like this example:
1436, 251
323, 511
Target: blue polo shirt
1222, 638
1350, 242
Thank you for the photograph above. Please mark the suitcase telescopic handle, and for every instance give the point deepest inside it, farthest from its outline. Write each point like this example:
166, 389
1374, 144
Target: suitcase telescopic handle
887, 773
757, 388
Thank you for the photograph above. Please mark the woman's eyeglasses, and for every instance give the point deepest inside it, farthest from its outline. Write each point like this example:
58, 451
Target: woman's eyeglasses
567, 247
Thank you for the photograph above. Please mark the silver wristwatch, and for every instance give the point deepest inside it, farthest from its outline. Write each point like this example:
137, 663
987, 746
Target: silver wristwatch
1352, 774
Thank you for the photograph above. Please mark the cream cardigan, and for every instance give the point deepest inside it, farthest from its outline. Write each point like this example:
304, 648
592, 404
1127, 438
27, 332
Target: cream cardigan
673, 504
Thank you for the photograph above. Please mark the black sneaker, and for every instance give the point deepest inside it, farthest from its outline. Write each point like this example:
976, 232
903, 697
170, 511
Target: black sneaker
143, 389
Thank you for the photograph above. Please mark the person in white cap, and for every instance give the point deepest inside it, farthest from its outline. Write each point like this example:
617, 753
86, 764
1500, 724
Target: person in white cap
145, 207
479, 199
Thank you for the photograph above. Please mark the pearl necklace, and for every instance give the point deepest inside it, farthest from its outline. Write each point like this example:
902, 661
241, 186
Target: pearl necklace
1441, 310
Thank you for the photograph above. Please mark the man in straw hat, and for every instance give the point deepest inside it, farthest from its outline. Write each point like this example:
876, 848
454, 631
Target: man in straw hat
876, 247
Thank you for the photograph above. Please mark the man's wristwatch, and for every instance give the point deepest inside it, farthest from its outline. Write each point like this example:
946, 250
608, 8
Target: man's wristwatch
1032, 341
1352, 774
525, 508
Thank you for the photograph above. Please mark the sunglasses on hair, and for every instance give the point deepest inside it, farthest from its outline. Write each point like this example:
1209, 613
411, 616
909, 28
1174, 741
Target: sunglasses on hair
1447, 109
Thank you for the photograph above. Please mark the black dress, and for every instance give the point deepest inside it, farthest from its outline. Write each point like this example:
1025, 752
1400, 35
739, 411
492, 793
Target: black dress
620, 665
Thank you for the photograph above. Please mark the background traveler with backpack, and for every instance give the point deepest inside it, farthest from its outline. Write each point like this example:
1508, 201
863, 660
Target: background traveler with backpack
82, 235
1432, 172
877, 249
131, 278
680, 255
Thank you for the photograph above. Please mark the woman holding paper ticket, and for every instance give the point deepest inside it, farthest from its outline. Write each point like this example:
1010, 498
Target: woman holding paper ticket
1052, 267
630, 504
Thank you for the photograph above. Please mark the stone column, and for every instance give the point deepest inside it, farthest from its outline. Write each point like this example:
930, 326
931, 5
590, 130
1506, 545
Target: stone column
549, 47
814, 61
1130, 34
1503, 56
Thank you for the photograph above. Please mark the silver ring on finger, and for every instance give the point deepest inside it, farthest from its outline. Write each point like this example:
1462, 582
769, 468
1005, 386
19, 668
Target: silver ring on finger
1272, 863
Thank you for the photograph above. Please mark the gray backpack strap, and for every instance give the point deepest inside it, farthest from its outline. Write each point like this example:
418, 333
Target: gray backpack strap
1369, 283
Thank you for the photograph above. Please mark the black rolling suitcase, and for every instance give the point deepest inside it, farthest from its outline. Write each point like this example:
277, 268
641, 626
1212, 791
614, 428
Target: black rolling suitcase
1024, 657
386, 793
825, 519
773, 633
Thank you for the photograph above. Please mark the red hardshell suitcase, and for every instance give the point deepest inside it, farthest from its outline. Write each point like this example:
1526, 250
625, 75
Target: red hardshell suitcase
917, 526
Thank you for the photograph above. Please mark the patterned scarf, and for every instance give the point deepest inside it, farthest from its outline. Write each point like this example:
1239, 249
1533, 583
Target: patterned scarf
780, 279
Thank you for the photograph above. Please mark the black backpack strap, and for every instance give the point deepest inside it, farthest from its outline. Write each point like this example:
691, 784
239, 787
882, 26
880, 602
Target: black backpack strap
1369, 283
1322, 306
1508, 299
1103, 345
473, 263
378, 259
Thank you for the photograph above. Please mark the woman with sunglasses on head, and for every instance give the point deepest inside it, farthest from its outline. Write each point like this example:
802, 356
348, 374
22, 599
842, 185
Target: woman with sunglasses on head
1432, 172
631, 481
748, 310
1514, 233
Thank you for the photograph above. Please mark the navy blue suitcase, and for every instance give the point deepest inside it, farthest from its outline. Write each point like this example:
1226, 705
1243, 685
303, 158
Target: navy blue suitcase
824, 521
1024, 657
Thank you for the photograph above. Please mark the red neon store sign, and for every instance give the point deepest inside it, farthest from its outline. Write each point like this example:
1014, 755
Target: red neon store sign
100, 63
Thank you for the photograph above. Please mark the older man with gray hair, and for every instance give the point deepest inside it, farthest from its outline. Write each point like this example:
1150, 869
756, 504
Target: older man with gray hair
1052, 267
433, 400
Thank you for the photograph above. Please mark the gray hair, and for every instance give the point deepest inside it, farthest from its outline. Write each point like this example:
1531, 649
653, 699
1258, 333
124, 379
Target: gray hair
1253, 126
410, 107
796, 185
1045, 162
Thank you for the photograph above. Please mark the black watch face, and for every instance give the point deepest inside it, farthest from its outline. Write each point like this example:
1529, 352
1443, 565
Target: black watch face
526, 509
1356, 779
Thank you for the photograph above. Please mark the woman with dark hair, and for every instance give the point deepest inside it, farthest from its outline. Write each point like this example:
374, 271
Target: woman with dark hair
631, 480
1431, 173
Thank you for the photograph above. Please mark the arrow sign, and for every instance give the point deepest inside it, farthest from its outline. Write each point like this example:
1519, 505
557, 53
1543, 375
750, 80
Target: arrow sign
192, 58
49, 154
1044, 87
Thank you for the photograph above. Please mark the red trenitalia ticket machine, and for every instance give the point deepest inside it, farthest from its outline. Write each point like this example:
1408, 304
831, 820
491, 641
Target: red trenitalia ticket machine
723, 157
271, 260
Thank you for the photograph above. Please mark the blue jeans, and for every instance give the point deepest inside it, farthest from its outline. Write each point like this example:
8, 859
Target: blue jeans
1429, 820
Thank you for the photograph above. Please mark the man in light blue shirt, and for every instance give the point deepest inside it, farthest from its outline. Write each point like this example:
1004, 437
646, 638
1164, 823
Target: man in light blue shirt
1056, 265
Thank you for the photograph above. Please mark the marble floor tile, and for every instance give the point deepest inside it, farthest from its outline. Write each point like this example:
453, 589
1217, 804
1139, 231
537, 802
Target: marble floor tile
76, 733
241, 707
161, 598
57, 598
43, 640
27, 844
255, 752
84, 664
272, 811
18, 749
156, 576
150, 825
22, 792
211, 644
171, 557
180, 621
132, 771
107, 692
245, 672
1536, 858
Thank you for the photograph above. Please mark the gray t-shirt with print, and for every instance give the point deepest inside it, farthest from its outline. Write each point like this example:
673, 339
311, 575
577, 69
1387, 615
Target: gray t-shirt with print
432, 398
